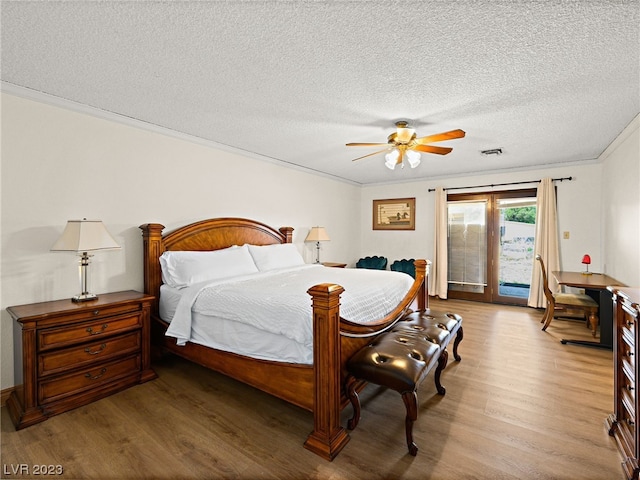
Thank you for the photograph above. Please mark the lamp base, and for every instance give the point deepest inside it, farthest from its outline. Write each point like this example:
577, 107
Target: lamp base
84, 297
587, 273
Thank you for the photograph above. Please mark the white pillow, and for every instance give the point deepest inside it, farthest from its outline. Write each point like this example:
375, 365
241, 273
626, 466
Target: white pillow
271, 257
182, 269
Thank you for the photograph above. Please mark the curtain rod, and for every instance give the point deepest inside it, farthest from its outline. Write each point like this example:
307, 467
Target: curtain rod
503, 184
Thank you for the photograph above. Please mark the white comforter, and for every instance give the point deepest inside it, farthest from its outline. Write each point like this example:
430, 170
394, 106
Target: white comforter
277, 301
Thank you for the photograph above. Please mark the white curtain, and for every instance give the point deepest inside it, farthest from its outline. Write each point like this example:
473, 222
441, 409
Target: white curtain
438, 274
546, 243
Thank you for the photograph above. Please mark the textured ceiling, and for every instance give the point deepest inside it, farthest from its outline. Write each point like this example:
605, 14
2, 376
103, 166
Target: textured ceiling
549, 82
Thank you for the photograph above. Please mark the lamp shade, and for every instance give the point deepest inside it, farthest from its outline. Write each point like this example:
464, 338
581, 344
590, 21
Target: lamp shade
317, 234
84, 236
586, 259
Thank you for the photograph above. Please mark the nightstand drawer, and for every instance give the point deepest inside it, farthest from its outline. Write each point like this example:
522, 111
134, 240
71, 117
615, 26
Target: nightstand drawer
88, 353
100, 311
59, 337
87, 379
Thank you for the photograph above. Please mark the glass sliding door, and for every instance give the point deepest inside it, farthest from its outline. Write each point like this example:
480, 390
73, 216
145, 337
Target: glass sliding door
490, 245
515, 217
467, 250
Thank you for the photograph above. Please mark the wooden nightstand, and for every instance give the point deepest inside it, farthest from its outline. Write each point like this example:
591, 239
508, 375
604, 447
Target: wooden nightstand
334, 264
76, 353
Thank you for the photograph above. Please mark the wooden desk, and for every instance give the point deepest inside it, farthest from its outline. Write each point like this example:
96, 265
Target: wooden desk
595, 285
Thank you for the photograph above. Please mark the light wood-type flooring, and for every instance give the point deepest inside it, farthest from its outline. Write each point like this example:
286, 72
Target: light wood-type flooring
520, 405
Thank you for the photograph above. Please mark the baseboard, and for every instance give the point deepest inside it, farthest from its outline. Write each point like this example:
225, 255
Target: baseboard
4, 395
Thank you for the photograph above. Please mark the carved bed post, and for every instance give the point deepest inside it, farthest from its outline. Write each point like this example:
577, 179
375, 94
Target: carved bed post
152, 247
422, 271
288, 233
328, 437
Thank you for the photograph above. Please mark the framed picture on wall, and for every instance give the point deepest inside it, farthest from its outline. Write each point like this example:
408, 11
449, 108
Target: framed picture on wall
394, 214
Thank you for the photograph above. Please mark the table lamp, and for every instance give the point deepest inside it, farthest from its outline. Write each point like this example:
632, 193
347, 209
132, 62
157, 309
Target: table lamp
317, 234
586, 259
83, 236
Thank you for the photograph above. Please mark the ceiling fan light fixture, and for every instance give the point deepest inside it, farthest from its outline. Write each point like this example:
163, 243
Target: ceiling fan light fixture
413, 158
403, 143
391, 159
405, 133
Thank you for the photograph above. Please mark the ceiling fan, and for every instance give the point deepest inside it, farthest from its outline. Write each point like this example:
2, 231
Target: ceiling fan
403, 143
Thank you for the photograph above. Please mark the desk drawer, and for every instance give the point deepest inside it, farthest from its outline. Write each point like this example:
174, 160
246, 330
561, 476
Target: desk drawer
88, 353
56, 388
69, 335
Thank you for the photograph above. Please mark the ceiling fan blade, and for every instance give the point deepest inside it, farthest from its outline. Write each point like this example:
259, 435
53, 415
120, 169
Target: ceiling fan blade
440, 137
365, 144
432, 149
370, 154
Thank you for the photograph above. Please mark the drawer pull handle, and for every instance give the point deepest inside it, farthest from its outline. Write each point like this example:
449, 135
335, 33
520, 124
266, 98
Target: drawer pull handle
96, 312
630, 422
95, 352
102, 372
629, 353
630, 388
629, 324
91, 332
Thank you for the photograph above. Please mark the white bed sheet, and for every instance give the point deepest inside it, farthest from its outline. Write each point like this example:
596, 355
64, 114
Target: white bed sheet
235, 337
276, 307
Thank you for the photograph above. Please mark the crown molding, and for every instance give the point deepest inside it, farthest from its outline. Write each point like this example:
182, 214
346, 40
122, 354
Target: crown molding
626, 133
42, 97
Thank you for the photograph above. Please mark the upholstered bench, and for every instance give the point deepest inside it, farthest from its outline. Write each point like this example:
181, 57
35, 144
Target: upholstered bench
401, 358
451, 322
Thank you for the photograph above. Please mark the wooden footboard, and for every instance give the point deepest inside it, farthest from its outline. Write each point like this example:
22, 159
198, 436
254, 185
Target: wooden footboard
335, 340
318, 388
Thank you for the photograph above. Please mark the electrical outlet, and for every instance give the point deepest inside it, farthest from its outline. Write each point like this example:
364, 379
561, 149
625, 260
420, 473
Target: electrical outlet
565, 235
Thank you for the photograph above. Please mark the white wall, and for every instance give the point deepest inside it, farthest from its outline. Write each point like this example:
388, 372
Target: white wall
58, 164
579, 211
621, 205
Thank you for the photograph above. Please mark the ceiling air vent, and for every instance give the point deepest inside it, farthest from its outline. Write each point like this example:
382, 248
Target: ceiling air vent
492, 151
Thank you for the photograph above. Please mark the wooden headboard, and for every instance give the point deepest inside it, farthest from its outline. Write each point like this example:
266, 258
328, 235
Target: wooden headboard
211, 234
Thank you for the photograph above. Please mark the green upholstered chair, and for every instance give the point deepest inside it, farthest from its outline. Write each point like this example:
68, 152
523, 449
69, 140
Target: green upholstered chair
405, 266
373, 263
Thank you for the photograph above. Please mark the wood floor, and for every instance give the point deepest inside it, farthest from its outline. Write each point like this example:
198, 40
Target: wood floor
520, 405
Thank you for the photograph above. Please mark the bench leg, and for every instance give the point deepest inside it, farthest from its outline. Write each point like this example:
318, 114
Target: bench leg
442, 362
411, 403
456, 342
355, 402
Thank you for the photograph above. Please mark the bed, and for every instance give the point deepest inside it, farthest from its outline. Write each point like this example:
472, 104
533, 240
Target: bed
317, 386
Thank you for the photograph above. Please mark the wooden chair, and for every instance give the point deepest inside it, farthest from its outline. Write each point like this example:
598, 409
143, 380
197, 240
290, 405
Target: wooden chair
373, 263
563, 302
405, 266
